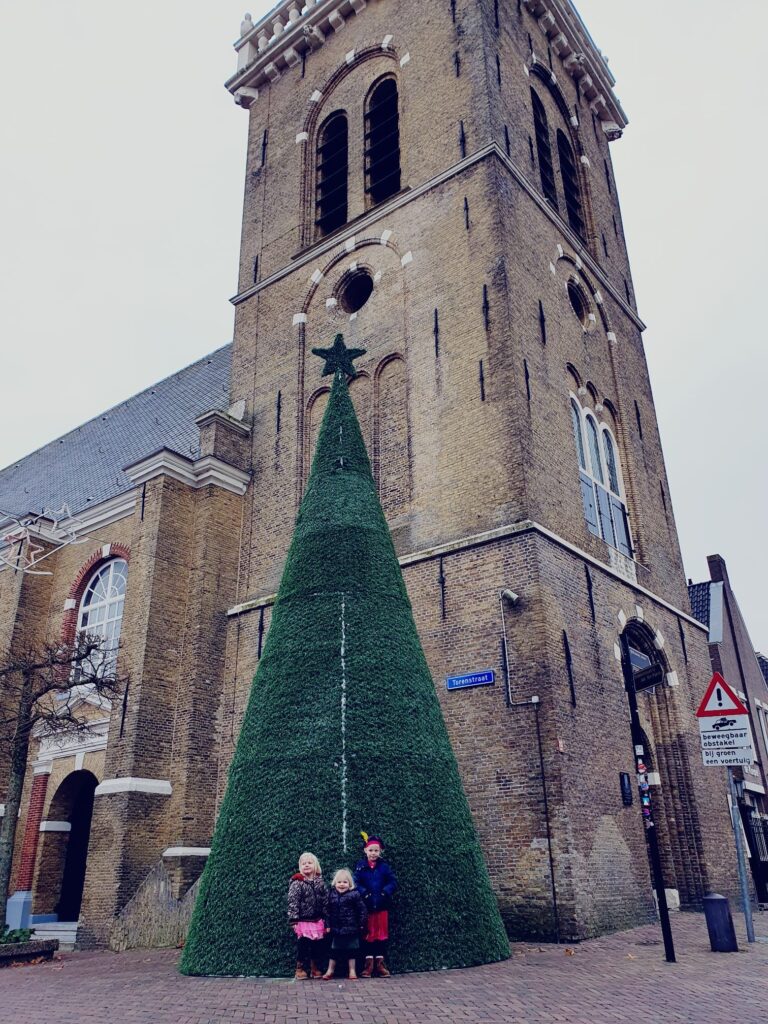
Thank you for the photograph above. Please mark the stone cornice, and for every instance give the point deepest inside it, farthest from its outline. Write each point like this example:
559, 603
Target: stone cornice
488, 537
569, 37
186, 851
217, 416
311, 254
155, 787
276, 42
208, 470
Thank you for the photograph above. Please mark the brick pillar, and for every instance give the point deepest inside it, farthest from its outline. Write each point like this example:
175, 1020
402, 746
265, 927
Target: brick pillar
32, 830
20, 904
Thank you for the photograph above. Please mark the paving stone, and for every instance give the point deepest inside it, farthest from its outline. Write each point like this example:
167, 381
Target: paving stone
616, 978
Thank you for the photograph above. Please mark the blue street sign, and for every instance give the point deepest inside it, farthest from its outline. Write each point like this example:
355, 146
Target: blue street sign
486, 678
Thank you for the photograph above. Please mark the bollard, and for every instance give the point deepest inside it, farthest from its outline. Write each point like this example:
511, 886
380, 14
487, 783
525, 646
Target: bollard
722, 937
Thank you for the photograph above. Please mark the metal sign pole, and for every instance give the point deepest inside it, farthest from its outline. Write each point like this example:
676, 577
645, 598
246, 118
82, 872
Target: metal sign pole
736, 822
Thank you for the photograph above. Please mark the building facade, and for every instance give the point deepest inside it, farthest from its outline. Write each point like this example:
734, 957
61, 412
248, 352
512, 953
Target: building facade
434, 181
733, 655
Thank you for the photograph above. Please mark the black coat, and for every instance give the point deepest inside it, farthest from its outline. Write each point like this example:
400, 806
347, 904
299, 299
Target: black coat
346, 912
375, 884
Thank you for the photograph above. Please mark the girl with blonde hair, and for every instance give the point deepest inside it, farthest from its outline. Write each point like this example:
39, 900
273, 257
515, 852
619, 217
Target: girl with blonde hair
307, 903
347, 918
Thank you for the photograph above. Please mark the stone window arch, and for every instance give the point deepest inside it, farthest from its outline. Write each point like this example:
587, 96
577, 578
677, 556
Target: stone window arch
100, 611
382, 141
332, 173
601, 480
565, 185
569, 176
543, 149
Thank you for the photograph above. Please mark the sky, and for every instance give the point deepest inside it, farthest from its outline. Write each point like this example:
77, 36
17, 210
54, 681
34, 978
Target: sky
121, 187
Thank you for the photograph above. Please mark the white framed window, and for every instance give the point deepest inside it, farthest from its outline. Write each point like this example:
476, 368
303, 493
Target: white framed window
101, 609
602, 490
578, 433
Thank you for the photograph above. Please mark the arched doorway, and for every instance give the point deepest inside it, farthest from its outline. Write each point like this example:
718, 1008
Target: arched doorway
61, 876
658, 732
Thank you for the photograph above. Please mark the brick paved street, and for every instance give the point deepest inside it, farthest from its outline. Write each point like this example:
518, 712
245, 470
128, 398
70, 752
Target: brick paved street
617, 978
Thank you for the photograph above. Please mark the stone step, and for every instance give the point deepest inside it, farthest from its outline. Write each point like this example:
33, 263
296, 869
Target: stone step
64, 931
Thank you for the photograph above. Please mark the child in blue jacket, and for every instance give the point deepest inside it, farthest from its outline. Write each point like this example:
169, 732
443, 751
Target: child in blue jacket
376, 883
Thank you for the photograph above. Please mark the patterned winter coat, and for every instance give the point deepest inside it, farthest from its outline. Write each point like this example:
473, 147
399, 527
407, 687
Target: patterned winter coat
375, 884
346, 912
307, 899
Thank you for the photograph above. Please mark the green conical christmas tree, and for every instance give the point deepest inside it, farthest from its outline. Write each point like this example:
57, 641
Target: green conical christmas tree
343, 732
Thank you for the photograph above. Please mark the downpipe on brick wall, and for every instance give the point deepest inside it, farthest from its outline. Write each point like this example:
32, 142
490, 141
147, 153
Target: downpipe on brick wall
534, 702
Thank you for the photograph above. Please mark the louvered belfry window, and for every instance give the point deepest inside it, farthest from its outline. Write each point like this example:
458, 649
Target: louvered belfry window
382, 143
543, 149
570, 178
332, 174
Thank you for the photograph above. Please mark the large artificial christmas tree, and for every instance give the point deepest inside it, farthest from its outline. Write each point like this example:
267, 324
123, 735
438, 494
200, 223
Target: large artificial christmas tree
343, 733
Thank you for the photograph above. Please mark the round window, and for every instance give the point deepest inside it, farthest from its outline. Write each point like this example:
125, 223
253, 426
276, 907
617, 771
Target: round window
354, 290
580, 305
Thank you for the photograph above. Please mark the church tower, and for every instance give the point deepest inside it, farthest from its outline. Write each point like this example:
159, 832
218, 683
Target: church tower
434, 180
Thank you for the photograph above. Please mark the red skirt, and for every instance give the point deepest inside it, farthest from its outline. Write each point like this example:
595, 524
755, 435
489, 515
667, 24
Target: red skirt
378, 926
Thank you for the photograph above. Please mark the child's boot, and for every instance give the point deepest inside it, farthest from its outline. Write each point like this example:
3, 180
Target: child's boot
314, 970
382, 971
301, 972
367, 970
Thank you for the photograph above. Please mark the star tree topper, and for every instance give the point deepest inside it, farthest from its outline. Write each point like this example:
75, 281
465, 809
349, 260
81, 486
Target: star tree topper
339, 357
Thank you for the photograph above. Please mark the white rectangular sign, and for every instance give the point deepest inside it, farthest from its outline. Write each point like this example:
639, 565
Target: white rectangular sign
725, 723
726, 740
740, 757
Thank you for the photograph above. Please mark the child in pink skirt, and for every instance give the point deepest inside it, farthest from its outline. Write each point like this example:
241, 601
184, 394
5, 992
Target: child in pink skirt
307, 903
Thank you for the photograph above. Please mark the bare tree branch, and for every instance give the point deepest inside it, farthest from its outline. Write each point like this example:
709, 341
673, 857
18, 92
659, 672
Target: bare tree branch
43, 692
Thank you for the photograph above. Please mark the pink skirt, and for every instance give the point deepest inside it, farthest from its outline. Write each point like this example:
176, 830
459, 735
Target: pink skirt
309, 930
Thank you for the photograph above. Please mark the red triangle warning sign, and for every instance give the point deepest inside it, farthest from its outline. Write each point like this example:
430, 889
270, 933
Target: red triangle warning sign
720, 700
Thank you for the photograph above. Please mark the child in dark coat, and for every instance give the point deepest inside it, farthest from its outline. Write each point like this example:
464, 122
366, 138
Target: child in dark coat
346, 921
376, 883
307, 902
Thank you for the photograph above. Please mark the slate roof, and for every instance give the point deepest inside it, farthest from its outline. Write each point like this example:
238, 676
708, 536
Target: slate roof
85, 466
762, 661
699, 595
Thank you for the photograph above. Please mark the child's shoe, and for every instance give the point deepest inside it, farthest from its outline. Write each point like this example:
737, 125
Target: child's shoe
367, 970
301, 973
314, 970
382, 971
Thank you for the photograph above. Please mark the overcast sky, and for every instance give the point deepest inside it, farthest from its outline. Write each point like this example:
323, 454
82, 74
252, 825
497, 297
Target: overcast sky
120, 199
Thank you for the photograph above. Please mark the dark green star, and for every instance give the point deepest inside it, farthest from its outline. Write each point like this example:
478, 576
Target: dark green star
339, 357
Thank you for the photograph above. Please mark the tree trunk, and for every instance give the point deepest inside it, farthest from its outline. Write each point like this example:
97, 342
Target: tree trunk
19, 751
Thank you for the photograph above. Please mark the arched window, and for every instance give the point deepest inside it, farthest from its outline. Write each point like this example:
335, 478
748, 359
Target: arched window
578, 433
570, 176
543, 149
101, 608
610, 462
382, 142
332, 173
605, 510
594, 449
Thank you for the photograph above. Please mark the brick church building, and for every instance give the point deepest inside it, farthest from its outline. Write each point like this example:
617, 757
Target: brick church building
433, 179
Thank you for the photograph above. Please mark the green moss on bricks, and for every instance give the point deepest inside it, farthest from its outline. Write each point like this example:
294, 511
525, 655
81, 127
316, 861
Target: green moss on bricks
331, 745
